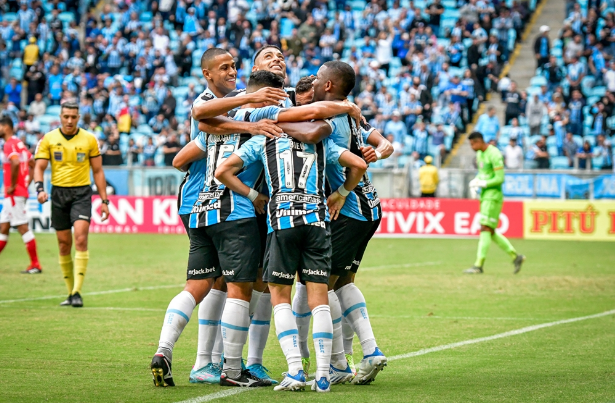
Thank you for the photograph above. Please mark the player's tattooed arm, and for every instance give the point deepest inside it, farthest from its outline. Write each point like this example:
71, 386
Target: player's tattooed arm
226, 173
221, 106
190, 153
307, 132
383, 147
221, 126
356, 169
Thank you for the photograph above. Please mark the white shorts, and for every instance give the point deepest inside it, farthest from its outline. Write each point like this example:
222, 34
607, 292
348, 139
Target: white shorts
14, 214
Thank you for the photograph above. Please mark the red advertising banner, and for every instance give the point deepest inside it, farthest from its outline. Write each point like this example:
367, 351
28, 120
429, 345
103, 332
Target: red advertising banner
131, 214
444, 217
401, 217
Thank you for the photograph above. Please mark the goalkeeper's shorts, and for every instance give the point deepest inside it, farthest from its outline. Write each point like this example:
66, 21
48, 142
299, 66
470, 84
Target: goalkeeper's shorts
490, 213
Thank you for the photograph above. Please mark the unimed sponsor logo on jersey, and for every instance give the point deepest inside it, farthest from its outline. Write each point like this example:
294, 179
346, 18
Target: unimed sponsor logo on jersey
207, 207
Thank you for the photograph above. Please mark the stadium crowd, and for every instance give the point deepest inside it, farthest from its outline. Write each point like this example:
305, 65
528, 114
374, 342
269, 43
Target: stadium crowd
133, 66
565, 118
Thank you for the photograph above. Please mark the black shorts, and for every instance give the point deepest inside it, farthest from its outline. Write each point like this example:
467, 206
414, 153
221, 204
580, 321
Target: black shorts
69, 204
306, 249
230, 249
186, 221
349, 239
263, 228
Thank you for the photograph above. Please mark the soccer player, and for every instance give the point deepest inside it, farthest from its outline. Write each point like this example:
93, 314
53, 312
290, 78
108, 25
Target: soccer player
72, 151
490, 178
304, 91
350, 233
299, 236
219, 70
18, 164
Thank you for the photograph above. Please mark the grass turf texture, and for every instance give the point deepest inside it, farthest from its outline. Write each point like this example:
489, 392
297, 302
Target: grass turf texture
93, 354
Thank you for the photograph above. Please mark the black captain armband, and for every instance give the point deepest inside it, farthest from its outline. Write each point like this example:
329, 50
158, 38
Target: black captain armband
39, 187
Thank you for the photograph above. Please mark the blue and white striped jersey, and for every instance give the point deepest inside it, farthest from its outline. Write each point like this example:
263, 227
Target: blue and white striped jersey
362, 203
193, 181
294, 173
216, 203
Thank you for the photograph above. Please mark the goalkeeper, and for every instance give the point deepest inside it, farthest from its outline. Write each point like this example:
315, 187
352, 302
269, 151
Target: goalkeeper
489, 180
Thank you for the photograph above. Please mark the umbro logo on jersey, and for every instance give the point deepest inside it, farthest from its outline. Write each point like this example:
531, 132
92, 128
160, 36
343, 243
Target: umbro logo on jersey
194, 272
310, 272
282, 275
228, 272
368, 189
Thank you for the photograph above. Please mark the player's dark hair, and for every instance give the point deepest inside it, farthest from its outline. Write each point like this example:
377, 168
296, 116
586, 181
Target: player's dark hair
209, 55
263, 48
475, 135
342, 73
263, 78
6, 121
304, 85
69, 105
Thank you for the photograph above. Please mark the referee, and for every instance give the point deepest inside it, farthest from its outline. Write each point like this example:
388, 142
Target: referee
72, 151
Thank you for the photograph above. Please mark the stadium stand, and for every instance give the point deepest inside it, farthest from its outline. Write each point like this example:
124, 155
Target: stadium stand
134, 67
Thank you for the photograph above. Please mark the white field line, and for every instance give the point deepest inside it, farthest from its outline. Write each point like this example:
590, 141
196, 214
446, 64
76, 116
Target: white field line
155, 287
450, 317
226, 393
158, 287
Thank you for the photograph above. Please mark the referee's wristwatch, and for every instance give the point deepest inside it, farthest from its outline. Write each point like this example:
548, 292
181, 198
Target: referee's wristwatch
105, 202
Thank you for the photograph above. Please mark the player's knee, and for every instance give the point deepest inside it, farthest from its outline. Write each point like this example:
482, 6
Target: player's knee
81, 241
198, 288
242, 291
343, 281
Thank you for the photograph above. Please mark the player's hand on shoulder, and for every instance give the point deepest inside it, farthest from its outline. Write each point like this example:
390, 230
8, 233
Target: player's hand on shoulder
266, 127
270, 95
42, 197
355, 112
369, 154
260, 202
335, 202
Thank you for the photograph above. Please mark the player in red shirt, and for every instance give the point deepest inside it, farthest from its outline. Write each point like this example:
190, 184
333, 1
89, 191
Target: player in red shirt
18, 165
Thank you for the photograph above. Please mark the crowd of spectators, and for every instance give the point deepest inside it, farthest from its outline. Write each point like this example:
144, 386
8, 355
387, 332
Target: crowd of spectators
133, 65
565, 118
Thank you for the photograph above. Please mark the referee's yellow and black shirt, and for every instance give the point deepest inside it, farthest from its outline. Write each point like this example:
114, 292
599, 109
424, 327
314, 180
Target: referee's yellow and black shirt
69, 156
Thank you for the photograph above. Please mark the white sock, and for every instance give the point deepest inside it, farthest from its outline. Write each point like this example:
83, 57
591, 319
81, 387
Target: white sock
303, 316
4, 238
338, 359
286, 330
348, 335
355, 311
27, 236
256, 295
322, 333
210, 311
175, 320
235, 323
216, 353
259, 330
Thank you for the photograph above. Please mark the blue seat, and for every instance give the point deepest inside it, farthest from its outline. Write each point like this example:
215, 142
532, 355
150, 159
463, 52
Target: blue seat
53, 110
552, 150
597, 162
538, 81
145, 129
559, 163
145, 16
66, 17
598, 91
10, 17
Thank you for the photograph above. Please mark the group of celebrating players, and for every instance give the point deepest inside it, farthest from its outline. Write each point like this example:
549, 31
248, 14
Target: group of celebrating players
276, 189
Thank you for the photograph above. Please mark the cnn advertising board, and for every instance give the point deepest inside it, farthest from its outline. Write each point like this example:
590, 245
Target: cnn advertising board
444, 218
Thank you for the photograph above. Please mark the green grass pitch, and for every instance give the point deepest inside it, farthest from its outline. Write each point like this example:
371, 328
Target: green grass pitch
417, 298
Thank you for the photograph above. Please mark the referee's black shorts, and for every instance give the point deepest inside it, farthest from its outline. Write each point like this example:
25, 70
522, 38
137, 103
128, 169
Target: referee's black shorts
69, 204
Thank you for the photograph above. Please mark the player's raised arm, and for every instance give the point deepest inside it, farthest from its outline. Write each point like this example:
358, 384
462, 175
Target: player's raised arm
187, 155
307, 132
221, 126
356, 169
221, 106
319, 110
383, 147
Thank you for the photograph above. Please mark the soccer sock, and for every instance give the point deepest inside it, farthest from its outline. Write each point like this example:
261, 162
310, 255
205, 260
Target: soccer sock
504, 244
216, 353
235, 323
4, 239
483, 247
286, 330
355, 311
66, 264
348, 334
259, 330
303, 315
81, 266
177, 316
210, 311
322, 334
28, 239
338, 360
256, 295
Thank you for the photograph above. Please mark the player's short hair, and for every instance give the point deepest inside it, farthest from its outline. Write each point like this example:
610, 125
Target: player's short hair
69, 105
209, 55
304, 85
257, 54
263, 78
476, 135
343, 73
6, 121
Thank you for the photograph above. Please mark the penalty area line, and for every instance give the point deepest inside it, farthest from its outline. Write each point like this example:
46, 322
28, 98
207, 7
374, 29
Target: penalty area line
527, 329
